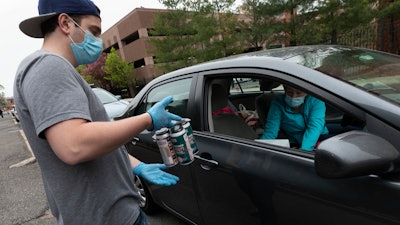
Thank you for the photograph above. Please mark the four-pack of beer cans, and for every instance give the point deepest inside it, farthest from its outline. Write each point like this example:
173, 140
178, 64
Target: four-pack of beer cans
177, 144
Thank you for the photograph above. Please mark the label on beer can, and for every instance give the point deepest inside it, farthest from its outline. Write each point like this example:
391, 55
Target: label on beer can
181, 145
189, 131
165, 145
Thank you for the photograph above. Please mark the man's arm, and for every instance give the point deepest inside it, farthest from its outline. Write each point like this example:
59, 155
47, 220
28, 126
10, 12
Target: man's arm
134, 161
77, 140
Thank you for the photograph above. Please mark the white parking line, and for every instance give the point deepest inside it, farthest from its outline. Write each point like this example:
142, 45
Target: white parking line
26, 142
29, 160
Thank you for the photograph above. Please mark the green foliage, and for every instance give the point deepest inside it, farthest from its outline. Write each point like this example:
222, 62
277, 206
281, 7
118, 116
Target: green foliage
391, 10
118, 71
341, 16
194, 31
94, 72
304, 21
82, 69
109, 72
3, 100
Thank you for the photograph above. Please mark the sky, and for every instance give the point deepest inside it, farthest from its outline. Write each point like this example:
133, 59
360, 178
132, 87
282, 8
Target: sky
16, 45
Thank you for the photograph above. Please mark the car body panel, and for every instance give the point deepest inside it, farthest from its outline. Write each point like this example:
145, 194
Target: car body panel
114, 109
284, 184
176, 196
235, 180
113, 105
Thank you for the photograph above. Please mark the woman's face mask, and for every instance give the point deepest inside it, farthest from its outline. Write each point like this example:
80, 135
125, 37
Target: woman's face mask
294, 102
89, 50
293, 97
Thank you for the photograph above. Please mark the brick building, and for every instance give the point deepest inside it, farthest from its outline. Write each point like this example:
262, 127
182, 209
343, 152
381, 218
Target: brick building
129, 37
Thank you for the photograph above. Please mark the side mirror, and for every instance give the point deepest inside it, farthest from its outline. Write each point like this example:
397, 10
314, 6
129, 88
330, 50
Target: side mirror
119, 97
354, 153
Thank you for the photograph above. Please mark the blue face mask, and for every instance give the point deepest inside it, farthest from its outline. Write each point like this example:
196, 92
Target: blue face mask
294, 102
89, 50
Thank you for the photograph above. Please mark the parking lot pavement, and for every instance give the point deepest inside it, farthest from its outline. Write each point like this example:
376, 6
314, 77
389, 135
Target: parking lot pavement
22, 196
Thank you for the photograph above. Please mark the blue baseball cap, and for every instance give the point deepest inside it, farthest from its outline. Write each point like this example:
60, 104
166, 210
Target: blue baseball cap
51, 8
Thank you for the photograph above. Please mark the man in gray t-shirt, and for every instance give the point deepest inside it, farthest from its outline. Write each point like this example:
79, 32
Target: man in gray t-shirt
87, 175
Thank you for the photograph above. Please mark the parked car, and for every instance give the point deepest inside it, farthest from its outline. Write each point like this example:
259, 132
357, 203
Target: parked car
351, 178
113, 104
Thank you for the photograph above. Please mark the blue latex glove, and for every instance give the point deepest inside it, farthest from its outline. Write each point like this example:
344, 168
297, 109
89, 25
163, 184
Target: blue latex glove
161, 118
153, 173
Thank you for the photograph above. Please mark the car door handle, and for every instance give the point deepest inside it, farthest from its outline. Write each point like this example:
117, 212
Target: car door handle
206, 164
135, 140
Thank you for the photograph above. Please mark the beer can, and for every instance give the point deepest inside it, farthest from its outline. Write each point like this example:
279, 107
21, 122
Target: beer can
181, 145
164, 143
189, 132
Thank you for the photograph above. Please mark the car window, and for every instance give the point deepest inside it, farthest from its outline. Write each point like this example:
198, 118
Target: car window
375, 72
240, 107
178, 89
104, 96
242, 85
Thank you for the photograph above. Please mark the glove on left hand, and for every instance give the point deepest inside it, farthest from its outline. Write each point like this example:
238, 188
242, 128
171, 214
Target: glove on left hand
153, 173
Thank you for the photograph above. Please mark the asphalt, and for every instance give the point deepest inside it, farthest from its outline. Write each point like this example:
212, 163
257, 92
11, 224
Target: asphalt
22, 196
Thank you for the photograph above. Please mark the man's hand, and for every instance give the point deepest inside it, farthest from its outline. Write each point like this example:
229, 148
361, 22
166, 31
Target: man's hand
154, 173
161, 118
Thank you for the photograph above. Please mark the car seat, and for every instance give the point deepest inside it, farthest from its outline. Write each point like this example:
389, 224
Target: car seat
227, 123
263, 101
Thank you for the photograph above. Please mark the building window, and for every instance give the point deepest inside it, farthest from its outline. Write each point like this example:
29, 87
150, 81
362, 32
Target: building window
131, 38
139, 63
115, 46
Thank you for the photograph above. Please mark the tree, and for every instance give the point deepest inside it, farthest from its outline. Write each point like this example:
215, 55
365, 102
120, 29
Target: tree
94, 72
191, 32
389, 26
174, 45
228, 38
3, 100
118, 72
340, 16
263, 28
110, 72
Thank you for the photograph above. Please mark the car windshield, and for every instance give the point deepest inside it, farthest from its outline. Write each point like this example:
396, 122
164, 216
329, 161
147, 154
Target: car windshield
373, 71
104, 96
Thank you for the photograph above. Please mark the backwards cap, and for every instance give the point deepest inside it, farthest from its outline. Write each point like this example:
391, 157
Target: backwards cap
51, 8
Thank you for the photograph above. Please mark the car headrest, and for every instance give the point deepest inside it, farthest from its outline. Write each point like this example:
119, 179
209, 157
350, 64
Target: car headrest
219, 98
268, 85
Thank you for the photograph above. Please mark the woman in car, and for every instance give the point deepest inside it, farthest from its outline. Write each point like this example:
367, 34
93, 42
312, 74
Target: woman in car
299, 116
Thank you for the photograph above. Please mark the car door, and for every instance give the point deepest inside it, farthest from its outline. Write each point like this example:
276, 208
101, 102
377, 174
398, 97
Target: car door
179, 198
241, 181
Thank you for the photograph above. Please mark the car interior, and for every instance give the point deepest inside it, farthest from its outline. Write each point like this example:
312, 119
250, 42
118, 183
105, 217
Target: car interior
225, 96
227, 123
263, 101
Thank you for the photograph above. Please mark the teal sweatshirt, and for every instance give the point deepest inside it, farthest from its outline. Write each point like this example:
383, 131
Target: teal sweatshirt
302, 128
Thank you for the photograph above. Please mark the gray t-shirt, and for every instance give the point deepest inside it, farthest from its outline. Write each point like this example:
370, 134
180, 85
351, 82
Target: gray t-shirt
48, 90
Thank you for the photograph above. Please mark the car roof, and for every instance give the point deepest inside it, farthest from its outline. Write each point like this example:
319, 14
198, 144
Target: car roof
282, 60
270, 58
